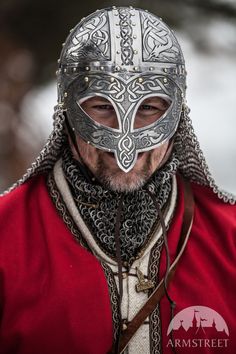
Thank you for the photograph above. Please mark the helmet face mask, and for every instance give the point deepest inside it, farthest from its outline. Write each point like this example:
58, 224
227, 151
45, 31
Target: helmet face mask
124, 55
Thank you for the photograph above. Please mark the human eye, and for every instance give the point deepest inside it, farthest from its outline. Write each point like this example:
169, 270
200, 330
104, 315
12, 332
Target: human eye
103, 107
148, 107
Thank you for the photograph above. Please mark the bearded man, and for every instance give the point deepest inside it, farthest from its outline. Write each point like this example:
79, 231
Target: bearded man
117, 238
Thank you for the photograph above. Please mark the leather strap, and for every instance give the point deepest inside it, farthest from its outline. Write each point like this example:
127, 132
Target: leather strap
158, 293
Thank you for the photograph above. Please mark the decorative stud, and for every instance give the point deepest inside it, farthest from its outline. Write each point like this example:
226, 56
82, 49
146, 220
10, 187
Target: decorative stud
165, 70
117, 24
112, 79
118, 52
88, 142
133, 24
117, 36
124, 275
86, 79
135, 68
135, 37
87, 68
117, 68
65, 94
102, 67
140, 79
74, 69
165, 80
151, 68
57, 72
58, 60
135, 51
114, 7
63, 44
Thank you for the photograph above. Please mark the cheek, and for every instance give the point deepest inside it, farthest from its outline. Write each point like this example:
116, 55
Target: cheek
158, 155
87, 151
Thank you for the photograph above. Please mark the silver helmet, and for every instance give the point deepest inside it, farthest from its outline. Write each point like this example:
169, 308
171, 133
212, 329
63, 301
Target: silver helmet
125, 55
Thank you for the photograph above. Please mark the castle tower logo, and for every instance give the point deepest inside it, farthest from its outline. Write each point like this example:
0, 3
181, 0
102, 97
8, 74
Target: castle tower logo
198, 326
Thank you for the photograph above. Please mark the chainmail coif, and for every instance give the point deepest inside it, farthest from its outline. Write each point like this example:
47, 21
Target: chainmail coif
98, 207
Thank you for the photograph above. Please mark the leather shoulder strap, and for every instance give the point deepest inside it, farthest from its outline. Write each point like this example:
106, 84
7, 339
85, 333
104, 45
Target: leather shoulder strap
158, 293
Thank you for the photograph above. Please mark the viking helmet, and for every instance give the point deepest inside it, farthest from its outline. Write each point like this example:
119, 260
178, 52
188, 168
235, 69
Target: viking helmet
124, 55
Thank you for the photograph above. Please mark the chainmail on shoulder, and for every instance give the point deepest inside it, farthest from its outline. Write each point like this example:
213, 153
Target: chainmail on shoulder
98, 207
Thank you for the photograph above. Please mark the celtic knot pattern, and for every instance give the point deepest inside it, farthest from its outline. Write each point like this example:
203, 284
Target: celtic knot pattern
150, 84
159, 43
126, 33
126, 150
91, 41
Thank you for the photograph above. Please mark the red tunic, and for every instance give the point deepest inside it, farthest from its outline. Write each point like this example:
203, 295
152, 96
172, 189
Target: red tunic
54, 294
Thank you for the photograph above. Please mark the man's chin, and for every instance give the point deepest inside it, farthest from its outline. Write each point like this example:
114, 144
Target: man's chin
119, 181
123, 183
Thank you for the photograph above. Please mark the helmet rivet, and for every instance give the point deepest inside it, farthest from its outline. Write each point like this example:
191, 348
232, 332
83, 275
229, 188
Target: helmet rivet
86, 79
73, 128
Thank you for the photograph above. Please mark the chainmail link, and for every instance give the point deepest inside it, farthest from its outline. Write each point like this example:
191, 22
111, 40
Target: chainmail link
98, 207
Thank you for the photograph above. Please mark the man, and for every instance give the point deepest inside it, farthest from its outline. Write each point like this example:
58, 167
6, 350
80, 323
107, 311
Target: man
118, 208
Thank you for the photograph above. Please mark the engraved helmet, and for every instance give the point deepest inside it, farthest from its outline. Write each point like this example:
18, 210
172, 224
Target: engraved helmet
126, 56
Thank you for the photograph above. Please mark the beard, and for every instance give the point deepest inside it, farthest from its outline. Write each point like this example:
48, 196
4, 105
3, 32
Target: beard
119, 181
